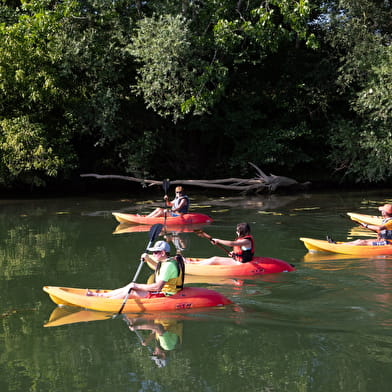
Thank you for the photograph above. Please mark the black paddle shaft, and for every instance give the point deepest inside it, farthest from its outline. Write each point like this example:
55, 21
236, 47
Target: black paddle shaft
203, 234
165, 186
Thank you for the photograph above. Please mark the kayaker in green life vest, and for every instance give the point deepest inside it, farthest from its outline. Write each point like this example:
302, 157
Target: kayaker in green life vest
243, 248
179, 205
168, 279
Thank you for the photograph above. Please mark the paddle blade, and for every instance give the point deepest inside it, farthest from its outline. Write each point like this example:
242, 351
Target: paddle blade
154, 232
166, 185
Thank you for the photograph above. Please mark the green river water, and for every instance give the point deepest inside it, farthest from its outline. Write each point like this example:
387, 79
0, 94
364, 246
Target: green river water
324, 327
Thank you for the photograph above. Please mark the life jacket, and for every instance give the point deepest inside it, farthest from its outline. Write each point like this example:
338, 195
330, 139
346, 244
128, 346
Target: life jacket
243, 254
173, 285
177, 201
385, 234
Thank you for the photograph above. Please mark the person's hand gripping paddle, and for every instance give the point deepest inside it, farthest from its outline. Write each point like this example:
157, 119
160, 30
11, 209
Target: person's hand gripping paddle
152, 235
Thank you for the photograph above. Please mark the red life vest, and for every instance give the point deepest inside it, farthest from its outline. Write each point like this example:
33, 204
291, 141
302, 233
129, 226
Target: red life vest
244, 255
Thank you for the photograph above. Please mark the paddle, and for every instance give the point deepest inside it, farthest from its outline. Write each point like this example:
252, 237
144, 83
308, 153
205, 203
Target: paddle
152, 235
202, 234
165, 186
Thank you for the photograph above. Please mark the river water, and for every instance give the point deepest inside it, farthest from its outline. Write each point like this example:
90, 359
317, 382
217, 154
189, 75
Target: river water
324, 327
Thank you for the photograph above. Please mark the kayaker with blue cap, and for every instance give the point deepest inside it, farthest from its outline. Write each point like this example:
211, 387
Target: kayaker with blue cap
168, 277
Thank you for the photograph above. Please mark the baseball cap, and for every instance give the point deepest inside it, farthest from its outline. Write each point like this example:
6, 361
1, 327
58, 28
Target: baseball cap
386, 208
159, 246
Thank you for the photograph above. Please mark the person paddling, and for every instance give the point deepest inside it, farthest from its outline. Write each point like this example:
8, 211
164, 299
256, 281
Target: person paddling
179, 205
243, 247
168, 277
384, 231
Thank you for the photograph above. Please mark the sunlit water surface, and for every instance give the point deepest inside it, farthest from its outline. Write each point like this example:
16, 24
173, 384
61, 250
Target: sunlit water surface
324, 327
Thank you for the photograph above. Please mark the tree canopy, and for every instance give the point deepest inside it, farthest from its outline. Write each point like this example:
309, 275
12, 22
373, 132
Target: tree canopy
195, 89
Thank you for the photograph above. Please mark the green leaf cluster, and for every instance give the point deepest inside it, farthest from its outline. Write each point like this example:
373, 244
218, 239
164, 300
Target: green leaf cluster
179, 89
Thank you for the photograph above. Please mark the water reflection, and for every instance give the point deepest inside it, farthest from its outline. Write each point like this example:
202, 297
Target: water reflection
178, 235
124, 228
160, 334
62, 315
330, 320
163, 337
360, 231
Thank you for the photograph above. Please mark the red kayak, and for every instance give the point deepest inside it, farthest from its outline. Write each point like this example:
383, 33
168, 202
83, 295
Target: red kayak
258, 266
184, 219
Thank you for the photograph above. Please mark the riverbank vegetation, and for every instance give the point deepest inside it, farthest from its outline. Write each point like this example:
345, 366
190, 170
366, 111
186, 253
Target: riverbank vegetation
195, 89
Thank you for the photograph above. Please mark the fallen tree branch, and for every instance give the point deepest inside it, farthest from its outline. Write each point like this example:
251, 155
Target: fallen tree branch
262, 183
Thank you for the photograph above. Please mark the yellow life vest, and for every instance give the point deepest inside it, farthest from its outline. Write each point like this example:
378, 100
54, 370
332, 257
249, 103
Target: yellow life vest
173, 285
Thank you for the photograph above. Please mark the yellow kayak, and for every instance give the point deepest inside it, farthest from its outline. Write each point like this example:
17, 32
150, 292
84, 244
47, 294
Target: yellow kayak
366, 219
314, 245
187, 298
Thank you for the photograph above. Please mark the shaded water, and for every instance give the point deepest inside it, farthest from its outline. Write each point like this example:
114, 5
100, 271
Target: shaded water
324, 327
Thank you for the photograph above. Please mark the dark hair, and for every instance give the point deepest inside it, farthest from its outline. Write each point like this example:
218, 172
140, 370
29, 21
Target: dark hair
243, 229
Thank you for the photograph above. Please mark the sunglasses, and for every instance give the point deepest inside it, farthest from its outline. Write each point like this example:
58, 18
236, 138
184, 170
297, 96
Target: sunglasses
156, 251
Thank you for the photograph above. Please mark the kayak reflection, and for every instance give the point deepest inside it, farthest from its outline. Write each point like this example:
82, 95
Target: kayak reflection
62, 315
160, 334
124, 228
177, 235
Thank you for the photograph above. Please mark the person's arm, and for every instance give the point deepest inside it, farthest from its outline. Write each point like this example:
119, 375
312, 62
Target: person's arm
240, 242
376, 228
157, 286
182, 204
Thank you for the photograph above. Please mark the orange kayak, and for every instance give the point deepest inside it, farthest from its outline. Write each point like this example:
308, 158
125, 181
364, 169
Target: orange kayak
258, 266
184, 219
358, 250
188, 298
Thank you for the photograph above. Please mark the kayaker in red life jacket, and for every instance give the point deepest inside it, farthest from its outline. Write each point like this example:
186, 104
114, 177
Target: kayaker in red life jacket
168, 277
243, 248
384, 231
179, 205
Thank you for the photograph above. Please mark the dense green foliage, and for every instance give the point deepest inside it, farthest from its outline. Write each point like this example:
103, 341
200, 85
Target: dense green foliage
187, 89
